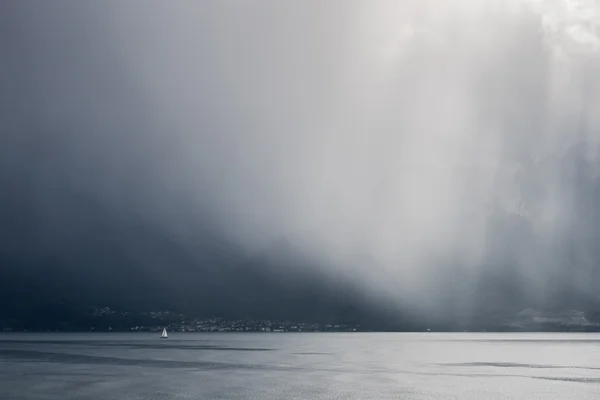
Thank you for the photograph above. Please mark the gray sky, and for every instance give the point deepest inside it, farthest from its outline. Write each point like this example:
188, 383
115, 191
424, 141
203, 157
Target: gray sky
397, 129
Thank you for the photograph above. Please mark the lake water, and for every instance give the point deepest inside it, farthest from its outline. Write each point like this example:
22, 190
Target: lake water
299, 366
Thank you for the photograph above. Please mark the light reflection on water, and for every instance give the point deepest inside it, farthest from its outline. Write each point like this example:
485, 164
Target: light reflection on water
299, 366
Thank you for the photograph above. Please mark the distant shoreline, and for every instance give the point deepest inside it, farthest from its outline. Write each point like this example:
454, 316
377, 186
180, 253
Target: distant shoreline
177, 333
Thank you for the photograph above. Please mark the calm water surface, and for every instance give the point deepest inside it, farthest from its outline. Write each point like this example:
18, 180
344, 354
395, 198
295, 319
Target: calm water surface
299, 366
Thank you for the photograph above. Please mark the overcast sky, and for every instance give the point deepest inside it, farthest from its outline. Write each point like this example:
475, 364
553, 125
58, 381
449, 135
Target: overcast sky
396, 129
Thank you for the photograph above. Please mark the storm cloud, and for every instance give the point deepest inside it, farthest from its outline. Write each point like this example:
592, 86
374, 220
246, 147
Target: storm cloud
441, 154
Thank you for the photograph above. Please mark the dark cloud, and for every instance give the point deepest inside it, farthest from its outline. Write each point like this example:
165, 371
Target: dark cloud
441, 160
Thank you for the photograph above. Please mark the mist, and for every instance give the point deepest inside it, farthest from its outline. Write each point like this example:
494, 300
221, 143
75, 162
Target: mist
443, 155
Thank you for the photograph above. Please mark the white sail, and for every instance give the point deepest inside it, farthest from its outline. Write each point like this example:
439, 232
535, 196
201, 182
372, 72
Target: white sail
164, 333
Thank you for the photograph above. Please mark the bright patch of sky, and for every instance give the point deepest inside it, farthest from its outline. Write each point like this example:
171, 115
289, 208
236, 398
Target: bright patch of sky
571, 26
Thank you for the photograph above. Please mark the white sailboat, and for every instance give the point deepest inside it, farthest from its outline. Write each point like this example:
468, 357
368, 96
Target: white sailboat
164, 334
